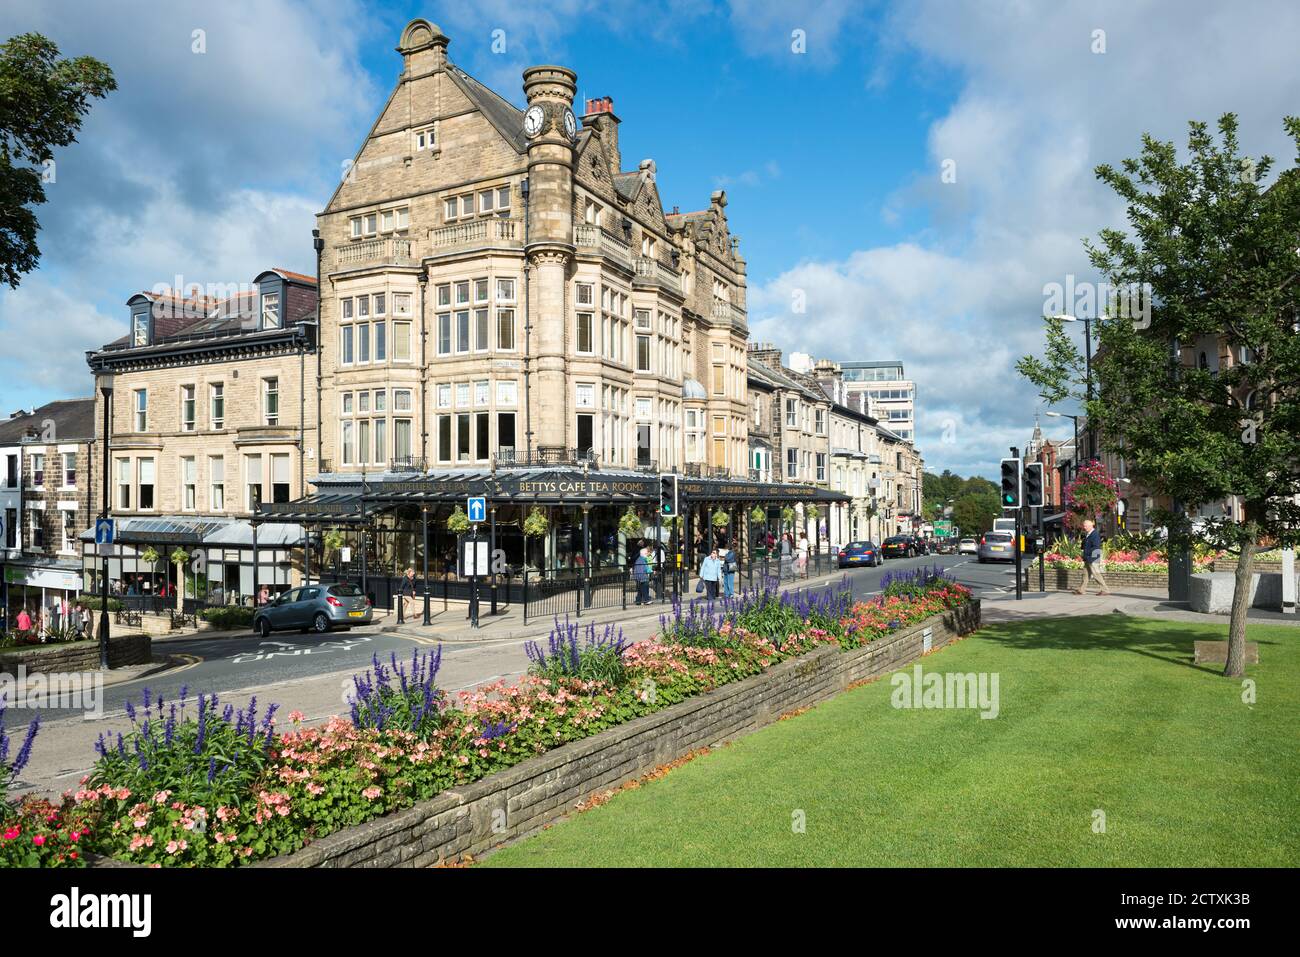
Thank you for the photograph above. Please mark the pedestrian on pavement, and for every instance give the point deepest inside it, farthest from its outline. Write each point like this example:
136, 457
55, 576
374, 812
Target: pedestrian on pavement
729, 566
641, 575
801, 559
711, 573
1092, 559
264, 595
24, 621
407, 599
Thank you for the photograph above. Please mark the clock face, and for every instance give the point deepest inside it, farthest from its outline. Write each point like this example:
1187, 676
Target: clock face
570, 123
533, 121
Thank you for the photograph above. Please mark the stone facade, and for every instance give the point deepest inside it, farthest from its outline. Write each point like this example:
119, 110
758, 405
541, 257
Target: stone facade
207, 421
532, 296
47, 498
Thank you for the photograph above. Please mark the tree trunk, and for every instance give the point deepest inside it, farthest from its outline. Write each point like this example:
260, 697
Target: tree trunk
1236, 664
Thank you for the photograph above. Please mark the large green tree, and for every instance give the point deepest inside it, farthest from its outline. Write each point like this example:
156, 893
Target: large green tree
1218, 252
43, 100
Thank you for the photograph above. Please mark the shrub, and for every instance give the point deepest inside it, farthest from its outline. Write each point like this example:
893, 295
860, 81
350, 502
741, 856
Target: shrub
915, 582
398, 697
600, 658
228, 617
209, 757
95, 602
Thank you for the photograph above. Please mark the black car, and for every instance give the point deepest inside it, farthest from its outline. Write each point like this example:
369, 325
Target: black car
898, 546
859, 553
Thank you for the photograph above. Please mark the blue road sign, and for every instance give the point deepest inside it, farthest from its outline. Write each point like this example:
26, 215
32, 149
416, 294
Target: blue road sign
104, 531
477, 509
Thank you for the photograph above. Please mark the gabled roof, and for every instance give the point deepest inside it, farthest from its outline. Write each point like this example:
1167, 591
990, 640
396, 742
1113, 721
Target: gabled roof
500, 112
628, 184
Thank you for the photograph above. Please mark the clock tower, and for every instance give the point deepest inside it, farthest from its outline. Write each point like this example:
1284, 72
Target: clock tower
550, 131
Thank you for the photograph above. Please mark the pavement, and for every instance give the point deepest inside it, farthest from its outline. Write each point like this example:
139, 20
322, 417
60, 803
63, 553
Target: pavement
1135, 602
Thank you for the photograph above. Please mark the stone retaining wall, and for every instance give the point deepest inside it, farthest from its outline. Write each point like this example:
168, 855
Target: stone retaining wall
77, 655
1068, 579
515, 802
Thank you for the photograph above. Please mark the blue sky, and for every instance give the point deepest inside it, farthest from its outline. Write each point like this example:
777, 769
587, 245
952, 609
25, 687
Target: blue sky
211, 165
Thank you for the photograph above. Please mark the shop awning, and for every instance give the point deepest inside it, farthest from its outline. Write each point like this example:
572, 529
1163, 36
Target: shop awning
269, 535
163, 530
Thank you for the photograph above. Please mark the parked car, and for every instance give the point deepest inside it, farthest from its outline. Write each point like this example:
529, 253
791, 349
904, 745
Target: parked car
968, 546
859, 553
997, 547
898, 546
317, 608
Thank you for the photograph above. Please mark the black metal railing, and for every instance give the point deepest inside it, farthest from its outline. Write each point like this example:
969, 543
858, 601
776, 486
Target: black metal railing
545, 456
408, 463
571, 591
646, 465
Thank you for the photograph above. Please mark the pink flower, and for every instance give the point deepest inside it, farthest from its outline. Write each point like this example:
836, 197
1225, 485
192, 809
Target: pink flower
296, 717
372, 792
11, 833
38, 840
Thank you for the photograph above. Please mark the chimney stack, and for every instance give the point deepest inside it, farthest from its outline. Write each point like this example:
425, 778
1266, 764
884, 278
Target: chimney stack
599, 115
766, 353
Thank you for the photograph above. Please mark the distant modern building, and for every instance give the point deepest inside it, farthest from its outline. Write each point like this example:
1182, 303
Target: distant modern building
891, 395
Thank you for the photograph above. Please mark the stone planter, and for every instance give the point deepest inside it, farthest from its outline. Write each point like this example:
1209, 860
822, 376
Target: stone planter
1068, 579
518, 801
77, 655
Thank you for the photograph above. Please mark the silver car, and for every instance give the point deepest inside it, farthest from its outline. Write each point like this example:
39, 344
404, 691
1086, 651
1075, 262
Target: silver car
316, 608
997, 547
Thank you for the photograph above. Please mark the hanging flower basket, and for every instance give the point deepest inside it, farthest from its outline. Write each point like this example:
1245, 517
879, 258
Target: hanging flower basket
720, 519
758, 515
536, 522
788, 516
1092, 494
179, 556
457, 521
332, 541
630, 524
813, 511
150, 556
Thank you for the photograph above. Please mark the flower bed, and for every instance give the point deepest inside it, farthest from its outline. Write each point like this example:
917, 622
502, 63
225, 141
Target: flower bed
1127, 561
223, 788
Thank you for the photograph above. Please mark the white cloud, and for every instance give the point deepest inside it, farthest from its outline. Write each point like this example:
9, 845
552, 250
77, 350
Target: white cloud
209, 165
1035, 113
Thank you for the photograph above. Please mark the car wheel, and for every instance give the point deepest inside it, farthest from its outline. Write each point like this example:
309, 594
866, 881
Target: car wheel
264, 628
320, 624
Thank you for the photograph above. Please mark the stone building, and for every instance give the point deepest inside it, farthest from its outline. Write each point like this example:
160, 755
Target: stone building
47, 497
213, 414
516, 295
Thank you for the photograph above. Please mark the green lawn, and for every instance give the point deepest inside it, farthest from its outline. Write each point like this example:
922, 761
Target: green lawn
1100, 713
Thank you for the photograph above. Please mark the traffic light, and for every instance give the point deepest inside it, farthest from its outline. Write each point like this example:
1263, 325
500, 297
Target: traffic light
1011, 483
668, 495
1034, 485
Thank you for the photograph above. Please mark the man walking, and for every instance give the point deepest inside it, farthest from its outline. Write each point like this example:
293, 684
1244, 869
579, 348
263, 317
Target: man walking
1092, 561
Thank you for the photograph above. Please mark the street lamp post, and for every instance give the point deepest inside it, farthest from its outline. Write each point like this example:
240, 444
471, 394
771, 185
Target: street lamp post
1087, 376
105, 384
1065, 415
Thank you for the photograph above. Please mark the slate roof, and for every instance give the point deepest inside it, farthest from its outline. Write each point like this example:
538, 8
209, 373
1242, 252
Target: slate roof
74, 421
500, 112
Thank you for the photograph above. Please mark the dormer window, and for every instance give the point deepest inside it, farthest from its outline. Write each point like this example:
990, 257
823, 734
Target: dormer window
140, 335
271, 310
